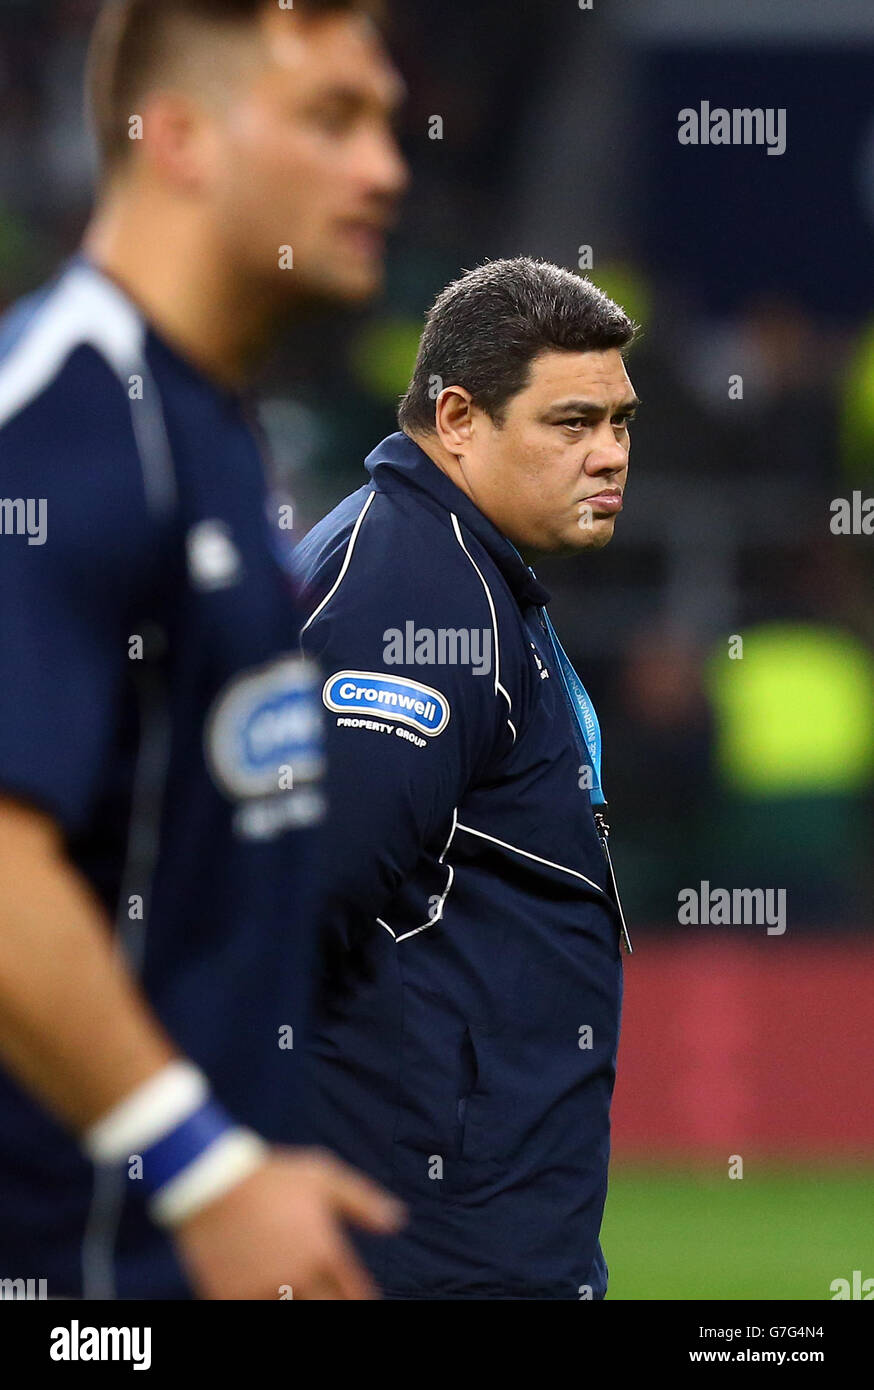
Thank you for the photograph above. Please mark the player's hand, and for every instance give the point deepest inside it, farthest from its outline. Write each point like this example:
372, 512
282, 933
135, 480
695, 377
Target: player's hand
279, 1234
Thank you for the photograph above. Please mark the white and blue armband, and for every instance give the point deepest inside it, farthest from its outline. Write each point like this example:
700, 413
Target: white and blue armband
189, 1149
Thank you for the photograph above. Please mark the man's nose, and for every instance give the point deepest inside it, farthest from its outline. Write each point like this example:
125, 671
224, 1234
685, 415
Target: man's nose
389, 171
606, 456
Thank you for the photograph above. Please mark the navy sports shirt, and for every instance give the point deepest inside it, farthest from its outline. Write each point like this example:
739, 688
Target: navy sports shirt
466, 1049
154, 702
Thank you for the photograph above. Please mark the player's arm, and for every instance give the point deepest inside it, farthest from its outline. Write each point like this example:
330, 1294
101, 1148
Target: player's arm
75, 1030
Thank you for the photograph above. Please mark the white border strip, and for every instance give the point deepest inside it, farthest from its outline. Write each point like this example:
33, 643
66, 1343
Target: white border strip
526, 854
498, 687
441, 904
344, 567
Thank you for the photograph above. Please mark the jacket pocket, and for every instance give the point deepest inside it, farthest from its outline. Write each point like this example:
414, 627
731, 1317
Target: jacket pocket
468, 1076
438, 1079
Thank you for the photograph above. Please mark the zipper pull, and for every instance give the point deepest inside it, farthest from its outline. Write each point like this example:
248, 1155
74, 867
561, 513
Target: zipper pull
603, 829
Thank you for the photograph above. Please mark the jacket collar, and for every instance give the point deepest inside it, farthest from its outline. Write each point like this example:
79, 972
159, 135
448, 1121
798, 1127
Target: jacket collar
399, 458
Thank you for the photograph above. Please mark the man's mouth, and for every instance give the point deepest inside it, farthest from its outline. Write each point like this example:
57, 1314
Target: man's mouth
606, 503
369, 231
366, 236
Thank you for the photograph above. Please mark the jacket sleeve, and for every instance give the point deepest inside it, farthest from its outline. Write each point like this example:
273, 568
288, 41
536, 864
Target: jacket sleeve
407, 734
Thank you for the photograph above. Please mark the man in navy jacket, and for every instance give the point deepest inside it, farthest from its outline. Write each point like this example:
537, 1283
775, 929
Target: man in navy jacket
468, 1036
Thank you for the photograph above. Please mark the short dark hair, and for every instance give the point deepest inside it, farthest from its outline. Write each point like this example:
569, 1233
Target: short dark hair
485, 329
133, 41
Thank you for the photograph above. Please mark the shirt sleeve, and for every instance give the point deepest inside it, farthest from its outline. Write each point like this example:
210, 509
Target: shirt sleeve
73, 541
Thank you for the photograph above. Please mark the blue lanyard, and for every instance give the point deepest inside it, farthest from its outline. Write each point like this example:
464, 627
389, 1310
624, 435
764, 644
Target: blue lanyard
583, 710
581, 706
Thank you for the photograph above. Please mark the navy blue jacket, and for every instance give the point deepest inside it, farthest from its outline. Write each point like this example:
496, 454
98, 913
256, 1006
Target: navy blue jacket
152, 686
470, 1064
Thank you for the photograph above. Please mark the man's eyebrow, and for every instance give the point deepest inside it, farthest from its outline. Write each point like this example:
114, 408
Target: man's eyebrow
342, 93
392, 96
575, 406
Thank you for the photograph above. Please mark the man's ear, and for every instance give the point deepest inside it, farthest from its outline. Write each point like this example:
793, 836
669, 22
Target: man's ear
454, 418
177, 141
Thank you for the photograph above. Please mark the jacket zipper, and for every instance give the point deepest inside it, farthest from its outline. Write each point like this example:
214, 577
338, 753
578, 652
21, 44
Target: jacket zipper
601, 823
603, 832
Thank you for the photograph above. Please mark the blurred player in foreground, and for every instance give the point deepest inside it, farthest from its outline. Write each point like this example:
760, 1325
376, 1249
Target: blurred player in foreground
471, 1064
160, 748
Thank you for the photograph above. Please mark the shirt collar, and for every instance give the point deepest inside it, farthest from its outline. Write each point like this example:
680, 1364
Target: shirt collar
399, 458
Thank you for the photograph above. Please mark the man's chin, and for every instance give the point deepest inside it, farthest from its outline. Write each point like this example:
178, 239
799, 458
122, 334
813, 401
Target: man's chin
568, 544
593, 537
350, 284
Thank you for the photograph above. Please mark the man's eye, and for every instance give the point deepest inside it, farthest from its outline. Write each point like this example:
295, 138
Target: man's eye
333, 120
576, 422
625, 420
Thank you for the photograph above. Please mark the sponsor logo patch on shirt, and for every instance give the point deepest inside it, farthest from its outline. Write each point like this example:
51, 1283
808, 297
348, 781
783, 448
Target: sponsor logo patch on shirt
394, 697
264, 734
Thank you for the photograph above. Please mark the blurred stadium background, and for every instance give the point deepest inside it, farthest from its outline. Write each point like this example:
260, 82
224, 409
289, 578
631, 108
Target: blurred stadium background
559, 133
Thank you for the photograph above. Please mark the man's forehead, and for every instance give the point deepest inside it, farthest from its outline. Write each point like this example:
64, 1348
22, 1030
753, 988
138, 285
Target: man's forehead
344, 50
562, 373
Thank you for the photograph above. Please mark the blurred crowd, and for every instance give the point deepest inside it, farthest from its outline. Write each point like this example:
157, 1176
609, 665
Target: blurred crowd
727, 634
